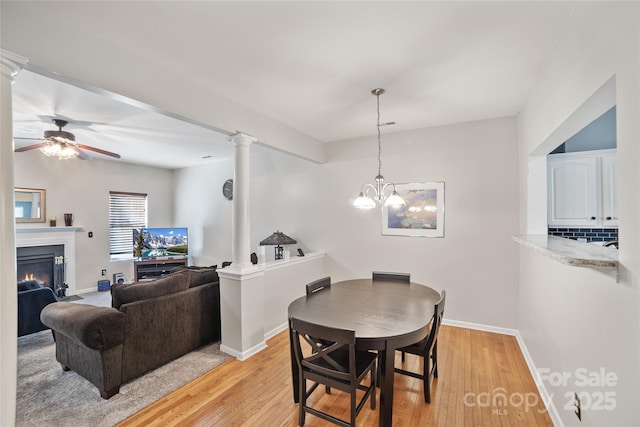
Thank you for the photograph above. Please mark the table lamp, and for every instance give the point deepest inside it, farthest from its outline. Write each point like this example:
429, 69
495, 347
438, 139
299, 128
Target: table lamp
278, 238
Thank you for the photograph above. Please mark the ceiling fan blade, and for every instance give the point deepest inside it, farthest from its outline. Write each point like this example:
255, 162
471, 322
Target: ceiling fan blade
98, 150
27, 139
30, 147
81, 154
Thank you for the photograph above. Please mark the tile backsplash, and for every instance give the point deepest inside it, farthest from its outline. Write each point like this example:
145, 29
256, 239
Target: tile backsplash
588, 234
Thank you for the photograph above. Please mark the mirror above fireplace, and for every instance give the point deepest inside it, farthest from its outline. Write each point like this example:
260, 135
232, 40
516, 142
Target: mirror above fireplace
30, 205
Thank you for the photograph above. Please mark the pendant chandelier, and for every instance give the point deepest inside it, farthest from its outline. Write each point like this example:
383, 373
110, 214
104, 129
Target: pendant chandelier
371, 194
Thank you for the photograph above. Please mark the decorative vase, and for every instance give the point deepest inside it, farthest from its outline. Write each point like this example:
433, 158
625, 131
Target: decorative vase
68, 219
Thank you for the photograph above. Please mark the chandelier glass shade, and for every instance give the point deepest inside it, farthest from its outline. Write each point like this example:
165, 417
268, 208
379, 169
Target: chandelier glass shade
381, 192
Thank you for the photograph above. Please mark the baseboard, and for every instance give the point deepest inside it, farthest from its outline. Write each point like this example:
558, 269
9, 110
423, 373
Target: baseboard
480, 327
243, 355
275, 331
544, 394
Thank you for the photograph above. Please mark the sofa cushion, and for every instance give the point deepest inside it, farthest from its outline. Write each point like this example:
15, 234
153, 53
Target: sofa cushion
27, 285
125, 293
198, 276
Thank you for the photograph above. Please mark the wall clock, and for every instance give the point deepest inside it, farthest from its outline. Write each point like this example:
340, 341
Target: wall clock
227, 189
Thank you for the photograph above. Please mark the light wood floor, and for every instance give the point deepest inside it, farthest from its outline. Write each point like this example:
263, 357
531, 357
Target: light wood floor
483, 381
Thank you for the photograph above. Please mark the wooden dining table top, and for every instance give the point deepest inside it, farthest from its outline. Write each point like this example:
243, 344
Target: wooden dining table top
375, 310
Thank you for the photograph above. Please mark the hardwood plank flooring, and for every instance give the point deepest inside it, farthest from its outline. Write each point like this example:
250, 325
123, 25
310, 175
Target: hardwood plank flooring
483, 381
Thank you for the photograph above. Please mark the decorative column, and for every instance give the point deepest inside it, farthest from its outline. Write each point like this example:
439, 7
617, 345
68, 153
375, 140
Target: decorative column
10, 65
241, 284
240, 223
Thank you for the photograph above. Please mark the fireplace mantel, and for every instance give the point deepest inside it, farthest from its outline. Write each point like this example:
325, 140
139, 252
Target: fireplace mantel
41, 236
47, 229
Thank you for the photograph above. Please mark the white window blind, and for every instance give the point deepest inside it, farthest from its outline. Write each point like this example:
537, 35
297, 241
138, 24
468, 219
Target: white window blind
126, 212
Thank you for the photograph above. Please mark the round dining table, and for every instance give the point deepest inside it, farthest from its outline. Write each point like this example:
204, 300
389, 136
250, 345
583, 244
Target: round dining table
385, 316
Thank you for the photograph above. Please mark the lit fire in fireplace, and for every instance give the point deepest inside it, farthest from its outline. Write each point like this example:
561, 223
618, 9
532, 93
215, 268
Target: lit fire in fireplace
31, 276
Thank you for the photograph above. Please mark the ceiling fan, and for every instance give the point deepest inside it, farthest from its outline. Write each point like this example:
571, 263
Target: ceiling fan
62, 144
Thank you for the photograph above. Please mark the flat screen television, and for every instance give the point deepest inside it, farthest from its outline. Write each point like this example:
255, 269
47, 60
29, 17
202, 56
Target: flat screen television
160, 242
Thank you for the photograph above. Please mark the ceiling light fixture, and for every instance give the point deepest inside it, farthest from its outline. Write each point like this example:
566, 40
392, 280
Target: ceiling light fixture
370, 194
59, 143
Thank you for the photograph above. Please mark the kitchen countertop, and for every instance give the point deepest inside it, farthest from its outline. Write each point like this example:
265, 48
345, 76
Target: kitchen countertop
571, 252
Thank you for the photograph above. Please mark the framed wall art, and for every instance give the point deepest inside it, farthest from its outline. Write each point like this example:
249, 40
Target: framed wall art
423, 215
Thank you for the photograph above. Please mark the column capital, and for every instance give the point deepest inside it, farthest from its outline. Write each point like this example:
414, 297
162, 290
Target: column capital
240, 138
11, 63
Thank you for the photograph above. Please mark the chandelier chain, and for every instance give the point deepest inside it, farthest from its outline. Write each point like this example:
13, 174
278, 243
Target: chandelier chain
379, 143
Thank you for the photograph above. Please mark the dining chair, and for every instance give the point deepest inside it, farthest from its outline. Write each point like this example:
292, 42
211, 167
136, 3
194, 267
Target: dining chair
396, 277
318, 285
428, 350
337, 364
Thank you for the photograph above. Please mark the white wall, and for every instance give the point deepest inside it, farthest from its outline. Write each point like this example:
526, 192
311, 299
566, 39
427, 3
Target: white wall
572, 318
82, 188
283, 282
476, 261
284, 197
201, 207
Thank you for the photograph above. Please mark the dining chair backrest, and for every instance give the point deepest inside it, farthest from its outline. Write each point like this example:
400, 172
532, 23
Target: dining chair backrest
438, 313
330, 357
396, 277
318, 285
427, 349
329, 346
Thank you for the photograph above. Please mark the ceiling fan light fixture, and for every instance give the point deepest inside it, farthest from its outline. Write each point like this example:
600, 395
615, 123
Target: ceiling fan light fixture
59, 135
60, 143
63, 145
62, 151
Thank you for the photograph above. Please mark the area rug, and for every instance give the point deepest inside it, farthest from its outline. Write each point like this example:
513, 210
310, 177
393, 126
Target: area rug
70, 298
48, 396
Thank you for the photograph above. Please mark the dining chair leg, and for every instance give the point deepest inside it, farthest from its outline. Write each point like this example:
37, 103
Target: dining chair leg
426, 379
374, 381
302, 400
353, 405
434, 356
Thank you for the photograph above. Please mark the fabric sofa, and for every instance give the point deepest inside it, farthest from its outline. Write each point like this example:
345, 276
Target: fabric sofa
32, 298
148, 325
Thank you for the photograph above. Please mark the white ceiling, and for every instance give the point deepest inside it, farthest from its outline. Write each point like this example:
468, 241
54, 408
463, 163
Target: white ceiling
308, 65
139, 135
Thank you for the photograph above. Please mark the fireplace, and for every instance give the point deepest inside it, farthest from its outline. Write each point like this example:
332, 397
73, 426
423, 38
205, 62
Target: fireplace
42, 263
29, 237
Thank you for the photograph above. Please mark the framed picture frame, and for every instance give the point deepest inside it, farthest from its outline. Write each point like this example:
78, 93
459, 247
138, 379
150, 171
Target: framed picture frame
30, 205
423, 215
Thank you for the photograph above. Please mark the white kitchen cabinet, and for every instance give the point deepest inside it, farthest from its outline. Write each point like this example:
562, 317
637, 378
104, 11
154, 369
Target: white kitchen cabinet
610, 190
581, 189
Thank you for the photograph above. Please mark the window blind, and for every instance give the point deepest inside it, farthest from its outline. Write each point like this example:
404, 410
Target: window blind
126, 212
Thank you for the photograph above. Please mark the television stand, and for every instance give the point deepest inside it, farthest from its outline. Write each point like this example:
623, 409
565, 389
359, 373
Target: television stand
152, 269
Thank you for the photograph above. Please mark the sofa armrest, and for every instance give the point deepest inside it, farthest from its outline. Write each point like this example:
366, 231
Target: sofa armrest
99, 328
